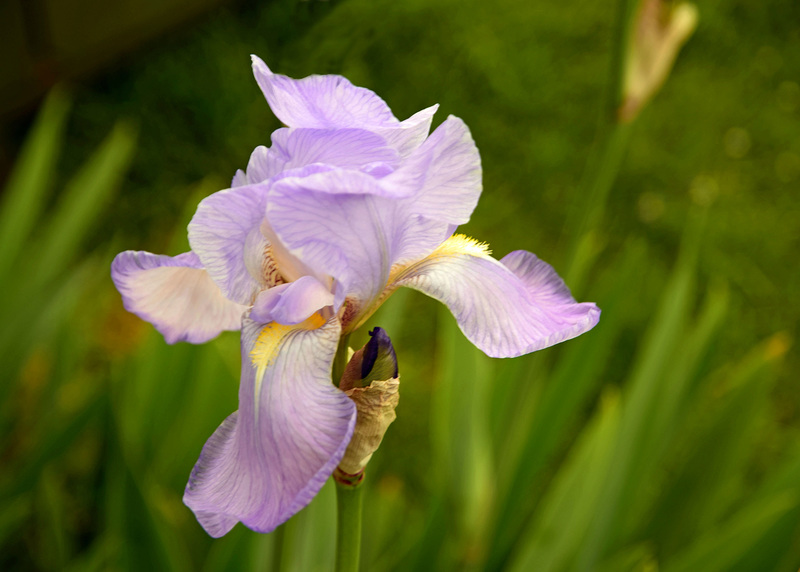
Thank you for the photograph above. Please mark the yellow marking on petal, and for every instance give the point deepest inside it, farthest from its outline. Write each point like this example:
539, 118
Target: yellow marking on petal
460, 244
267, 344
456, 245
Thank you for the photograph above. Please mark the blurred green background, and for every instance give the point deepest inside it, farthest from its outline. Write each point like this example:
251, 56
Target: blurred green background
665, 439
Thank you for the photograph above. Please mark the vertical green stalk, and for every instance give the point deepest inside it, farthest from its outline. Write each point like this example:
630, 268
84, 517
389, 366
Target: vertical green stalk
348, 493
605, 159
348, 525
584, 245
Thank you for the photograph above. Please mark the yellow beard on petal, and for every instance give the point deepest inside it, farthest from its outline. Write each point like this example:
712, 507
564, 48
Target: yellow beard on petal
456, 245
460, 244
266, 347
268, 343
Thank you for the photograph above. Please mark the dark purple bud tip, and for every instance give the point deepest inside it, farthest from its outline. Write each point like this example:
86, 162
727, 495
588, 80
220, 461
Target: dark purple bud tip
379, 361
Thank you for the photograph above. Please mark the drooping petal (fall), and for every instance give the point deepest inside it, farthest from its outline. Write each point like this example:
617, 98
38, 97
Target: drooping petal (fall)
225, 233
268, 460
506, 308
331, 101
176, 295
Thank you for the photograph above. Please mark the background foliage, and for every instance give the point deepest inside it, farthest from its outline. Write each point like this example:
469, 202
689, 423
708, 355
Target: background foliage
666, 438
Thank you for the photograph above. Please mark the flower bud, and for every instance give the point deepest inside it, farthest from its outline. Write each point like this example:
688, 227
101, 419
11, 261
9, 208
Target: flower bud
659, 30
376, 361
372, 382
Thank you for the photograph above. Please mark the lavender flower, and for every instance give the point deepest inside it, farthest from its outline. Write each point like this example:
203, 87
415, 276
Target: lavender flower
347, 205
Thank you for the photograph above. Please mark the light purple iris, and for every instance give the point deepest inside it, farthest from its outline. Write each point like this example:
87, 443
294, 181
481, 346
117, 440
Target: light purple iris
347, 205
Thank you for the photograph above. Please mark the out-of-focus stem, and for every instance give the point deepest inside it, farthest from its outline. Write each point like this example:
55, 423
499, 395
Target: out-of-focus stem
585, 242
604, 161
648, 36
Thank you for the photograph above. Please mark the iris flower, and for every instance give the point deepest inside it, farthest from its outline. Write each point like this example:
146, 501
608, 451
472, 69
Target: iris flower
347, 205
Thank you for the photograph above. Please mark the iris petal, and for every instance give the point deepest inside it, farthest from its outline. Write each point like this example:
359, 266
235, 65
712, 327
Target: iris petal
445, 173
347, 148
408, 134
331, 101
507, 308
294, 148
268, 460
175, 294
291, 303
225, 233
320, 100
356, 228
340, 224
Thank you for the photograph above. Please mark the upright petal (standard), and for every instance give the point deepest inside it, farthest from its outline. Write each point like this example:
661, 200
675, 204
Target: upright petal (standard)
331, 101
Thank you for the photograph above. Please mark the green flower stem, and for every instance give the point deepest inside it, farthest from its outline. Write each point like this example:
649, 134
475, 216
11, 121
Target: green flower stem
348, 493
348, 522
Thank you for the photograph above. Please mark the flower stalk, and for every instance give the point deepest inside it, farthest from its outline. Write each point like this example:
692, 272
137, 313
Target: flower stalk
348, 521
648, 36
348, 493
372, 381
